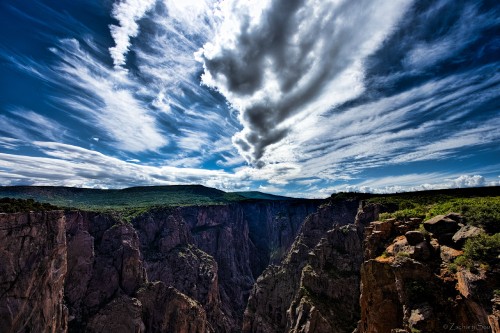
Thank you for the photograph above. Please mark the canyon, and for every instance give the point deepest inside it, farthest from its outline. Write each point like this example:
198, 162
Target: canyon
260, 266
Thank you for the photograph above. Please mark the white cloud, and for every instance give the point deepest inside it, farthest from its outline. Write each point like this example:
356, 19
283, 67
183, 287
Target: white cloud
66, 165
280, 62
468, 181
10, 143
27, 125
105, 98
412, 182
127, 12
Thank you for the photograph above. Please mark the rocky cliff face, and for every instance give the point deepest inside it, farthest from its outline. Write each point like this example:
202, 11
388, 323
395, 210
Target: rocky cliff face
32, 272
407, 284
263, 267
214, 254
315, 288
201, 261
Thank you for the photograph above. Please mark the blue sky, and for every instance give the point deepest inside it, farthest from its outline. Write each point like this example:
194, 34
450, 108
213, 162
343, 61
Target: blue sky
293, 97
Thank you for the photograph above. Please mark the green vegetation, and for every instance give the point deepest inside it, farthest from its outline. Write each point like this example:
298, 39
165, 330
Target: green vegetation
453, 267
9, 205
84, 198
403, 254
126, 203
385, 254
417, 291
483, 250
482, 211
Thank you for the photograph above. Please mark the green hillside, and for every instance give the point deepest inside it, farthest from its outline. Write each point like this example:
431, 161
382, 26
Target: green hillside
134, 197
261, 196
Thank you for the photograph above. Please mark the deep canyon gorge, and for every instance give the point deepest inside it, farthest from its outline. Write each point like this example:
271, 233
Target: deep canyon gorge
258, 266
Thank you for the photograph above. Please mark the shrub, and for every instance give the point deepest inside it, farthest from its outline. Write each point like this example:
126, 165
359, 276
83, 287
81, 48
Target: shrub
463, 261
403, 254
484, 248
452, 267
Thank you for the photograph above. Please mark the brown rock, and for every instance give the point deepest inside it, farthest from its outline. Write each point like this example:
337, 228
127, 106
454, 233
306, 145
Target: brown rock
80, 268
449, 254
165, 309
455, 217
414, 222
328, 297
414, 237
494, 318
384, 227
420, 317
123, 315
32, 272
465, 233
118, 267
277, 294
403, 229
441, 224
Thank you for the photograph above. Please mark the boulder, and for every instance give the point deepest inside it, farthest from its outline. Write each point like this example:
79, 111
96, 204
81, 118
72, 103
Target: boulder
455, 217
441, 225
384, 227
449, 254
414, 237
123, 314
465, 233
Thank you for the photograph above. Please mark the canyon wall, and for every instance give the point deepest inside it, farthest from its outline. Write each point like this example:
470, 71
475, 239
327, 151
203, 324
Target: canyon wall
260, 267
316, 287
32, 272
183, 269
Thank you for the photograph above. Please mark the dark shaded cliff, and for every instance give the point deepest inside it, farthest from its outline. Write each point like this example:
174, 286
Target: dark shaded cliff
256, 266
184, 269
316, 287
214, 253
32, 272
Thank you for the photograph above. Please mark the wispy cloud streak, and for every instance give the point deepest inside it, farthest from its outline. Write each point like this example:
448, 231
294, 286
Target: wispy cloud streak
127, 13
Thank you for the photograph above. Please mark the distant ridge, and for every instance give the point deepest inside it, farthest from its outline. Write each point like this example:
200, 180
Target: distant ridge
262, 196
132, 197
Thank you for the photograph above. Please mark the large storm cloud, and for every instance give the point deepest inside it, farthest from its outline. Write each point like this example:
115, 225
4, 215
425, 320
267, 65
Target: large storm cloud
290, 57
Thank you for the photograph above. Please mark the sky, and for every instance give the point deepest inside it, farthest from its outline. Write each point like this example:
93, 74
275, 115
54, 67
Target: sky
292, 97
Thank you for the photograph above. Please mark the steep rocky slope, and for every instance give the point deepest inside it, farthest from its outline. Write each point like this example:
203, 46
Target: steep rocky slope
32, 272
405, 270
201, 262
315, 288
214, 253
410, 282
274, 266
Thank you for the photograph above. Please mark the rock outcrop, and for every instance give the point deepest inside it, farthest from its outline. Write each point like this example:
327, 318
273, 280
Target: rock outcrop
165, 309
202, 261
408, 285
104, 263
32, 272
317, 282
213, 254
